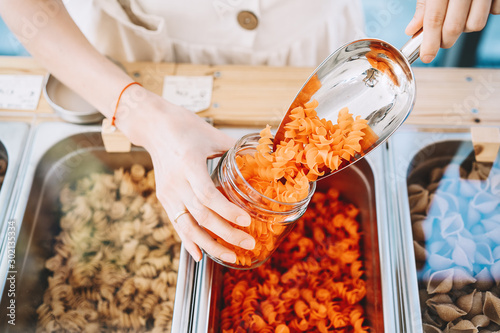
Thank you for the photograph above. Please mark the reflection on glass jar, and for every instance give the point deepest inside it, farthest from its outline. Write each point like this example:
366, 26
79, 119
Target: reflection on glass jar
271, 220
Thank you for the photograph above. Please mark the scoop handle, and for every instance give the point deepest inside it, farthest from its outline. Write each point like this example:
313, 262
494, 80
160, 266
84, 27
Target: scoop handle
411, 50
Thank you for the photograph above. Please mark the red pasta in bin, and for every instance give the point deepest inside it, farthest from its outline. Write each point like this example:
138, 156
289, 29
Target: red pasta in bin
313, 283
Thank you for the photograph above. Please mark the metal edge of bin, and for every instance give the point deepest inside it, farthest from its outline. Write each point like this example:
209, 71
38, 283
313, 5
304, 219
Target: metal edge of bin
52, 133
13, 135
376, 161
404, 145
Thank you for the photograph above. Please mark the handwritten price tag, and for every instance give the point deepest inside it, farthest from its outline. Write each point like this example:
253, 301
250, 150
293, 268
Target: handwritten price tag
192, 92
20, 92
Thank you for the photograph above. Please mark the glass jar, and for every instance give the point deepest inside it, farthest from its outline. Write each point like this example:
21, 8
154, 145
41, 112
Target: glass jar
271, 220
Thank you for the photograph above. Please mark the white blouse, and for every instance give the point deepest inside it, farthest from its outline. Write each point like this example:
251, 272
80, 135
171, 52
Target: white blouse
252, 32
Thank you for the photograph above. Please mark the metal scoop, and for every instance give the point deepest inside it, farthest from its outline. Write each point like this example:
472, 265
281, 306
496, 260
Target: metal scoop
370, 77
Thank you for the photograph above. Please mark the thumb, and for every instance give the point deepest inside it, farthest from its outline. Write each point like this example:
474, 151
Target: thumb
221, 142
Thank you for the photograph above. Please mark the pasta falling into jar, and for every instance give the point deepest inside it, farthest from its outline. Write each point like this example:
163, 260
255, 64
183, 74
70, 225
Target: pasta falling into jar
275, 187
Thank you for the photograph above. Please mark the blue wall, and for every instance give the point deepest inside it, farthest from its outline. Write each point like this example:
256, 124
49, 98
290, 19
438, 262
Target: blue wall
9, 45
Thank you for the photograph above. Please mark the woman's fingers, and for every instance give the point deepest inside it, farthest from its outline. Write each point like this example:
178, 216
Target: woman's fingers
478, 15
208, 195
189, 245
443, 22
211, 220
454, 23
190, 230
217, 225
495, 7
435, 13
418, 19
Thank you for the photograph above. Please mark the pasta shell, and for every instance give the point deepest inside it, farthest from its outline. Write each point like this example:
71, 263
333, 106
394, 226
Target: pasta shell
439, 299
416, 189
463, 326
462, 278
465, 302
477, 231
492, 222
438, 206
468, 245
419, 201
480, 320
438, 262
449, 312
437, 247
431, 319
491, 307
485, 202
440, 282
477, 304
484, 280
451, 225
460, 258
431, 329
473, 216
496, 254
452, 242
483, 254
494, 235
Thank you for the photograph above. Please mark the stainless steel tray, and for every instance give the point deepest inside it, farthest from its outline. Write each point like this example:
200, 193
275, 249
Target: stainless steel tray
414, 152
363, 185
59, 154
13, 137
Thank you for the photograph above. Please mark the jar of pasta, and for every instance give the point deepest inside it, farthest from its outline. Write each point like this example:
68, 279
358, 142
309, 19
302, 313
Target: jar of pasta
271, 220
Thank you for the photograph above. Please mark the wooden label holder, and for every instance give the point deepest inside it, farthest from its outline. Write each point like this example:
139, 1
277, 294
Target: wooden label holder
486, 141
114, 140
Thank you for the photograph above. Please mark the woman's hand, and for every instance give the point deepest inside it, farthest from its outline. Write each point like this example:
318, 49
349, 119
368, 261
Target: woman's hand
444, 20
179, 143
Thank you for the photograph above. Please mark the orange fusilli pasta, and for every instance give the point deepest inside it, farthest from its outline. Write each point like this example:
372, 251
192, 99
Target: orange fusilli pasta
311, 147
314, 282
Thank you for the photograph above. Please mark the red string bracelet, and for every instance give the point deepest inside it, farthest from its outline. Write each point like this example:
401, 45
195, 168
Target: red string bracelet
118, 102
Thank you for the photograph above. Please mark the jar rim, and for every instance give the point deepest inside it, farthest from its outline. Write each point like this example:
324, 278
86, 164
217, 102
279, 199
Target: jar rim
232, 157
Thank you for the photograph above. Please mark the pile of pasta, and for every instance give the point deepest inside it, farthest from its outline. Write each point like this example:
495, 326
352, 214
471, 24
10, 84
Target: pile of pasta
311, 147
455, 215
116, 258
314, 282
